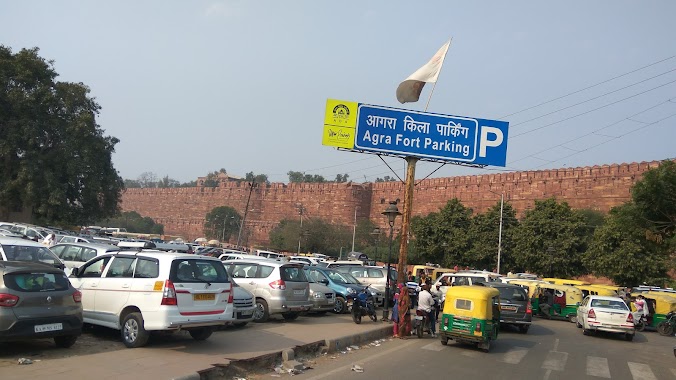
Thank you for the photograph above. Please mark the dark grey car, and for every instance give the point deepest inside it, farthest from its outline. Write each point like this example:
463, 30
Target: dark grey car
515, 308
37, 301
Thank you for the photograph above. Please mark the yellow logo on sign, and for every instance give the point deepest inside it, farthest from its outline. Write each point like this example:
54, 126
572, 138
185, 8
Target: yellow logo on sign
340, 120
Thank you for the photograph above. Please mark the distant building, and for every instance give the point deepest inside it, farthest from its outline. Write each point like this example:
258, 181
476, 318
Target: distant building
221, 178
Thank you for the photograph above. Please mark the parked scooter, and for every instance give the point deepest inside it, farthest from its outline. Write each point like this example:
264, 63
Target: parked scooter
667, 327
363, 305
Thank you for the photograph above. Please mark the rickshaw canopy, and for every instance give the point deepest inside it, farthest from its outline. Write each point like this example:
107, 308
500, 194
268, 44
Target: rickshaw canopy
573, 294
471, 301
564, 281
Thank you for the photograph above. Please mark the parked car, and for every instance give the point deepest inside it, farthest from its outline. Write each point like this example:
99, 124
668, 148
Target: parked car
341, 283
471, 277
515, 307
34, 233
244, 305
138, 292
16, 249
76, 254
37, 301
602, 313
373, 276
322, 297
305, 259
73, 239
279, 287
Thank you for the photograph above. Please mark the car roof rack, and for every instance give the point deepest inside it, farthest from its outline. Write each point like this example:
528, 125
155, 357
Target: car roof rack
139, 245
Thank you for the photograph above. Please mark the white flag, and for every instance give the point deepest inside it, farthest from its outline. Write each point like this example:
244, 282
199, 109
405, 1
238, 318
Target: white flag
410, 89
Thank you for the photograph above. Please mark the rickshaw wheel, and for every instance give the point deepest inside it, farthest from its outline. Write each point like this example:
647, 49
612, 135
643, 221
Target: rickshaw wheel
444, 341
419, 330
485, 346
572, 318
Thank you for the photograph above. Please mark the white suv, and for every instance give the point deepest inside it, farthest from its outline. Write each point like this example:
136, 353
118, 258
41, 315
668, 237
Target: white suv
142, 291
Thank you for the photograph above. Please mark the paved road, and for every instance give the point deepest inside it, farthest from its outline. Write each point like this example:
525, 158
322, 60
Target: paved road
551, 350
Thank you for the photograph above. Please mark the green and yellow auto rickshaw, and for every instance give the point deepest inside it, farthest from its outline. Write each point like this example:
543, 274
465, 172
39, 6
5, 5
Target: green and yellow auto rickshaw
471, 315
596, 290
556, 301
529, 285
564, 281
659, 305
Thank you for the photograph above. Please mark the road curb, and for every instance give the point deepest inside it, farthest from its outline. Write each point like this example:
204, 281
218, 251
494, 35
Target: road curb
267, 362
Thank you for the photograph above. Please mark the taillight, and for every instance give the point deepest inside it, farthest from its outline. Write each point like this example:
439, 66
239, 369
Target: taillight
279, 284
169, 294
529, 308
77, 296
591, 314
630, 318
230, 295
8, 300
478, 326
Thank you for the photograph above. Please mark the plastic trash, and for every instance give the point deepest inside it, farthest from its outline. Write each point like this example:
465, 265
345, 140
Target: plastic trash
357, 368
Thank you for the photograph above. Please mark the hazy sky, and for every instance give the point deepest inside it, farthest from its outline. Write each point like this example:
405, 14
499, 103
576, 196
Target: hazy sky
190, 87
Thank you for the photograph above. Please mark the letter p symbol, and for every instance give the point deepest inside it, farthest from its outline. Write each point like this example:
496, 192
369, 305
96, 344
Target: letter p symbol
485, 142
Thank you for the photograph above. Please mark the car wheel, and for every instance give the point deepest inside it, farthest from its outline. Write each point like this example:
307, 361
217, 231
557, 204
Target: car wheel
262, 312
523, 329
628, 337
202, 333
340, 306
290, 316
65, 341
133, 333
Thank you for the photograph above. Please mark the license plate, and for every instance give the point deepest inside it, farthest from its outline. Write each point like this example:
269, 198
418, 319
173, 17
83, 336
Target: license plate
299, 292
204, 297
246, 312
418, 317
49, 327
508, 308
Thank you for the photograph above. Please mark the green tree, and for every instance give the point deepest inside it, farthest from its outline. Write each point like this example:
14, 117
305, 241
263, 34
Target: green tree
442, 237
387, 178
297, 177
221, 223
655, 196
484, 235
621, 250
54, 157
212, 178
257, 178
342, 177
132, 221
550, 240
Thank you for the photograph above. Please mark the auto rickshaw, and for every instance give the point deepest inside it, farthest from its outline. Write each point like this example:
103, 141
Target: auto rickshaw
471, 315
596, 291
564, 281
561, 301
529, 285
659, 305
420, 270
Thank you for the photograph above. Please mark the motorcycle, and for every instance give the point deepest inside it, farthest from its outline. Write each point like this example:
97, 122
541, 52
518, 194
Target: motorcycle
421, 323
667, 327
363, 305
640, 321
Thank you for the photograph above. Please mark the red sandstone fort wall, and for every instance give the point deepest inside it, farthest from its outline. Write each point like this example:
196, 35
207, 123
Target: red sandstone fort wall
182, 210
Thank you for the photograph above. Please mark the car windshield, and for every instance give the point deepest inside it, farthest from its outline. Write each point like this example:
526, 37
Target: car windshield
512, 294
30, 253
609, 304
342, 278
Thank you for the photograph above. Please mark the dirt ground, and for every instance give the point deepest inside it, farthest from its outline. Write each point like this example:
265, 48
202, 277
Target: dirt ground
93, 340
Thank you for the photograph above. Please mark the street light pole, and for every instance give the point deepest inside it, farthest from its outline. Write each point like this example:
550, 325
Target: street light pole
300, 233
391, 212
502, 202
246, 210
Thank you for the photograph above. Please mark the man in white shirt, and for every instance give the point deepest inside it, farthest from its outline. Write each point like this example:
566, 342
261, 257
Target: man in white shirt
426, 304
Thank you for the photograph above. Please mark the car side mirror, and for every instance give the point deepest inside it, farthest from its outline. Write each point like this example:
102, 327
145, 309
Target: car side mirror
74, 272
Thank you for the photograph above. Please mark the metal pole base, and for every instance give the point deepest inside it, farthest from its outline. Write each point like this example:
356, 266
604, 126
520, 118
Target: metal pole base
386, 316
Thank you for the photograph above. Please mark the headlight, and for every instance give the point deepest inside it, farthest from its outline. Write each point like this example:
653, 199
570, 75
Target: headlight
351, 290
374, 293
319, 295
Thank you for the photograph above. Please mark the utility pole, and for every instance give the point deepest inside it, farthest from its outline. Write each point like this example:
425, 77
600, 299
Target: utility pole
252, 185
300, 234
354, 227
502, 202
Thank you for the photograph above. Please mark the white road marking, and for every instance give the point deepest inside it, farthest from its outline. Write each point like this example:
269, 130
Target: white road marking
555, 361
598, 367
641, 371
546, 376
514, 355
556, 344
436, 346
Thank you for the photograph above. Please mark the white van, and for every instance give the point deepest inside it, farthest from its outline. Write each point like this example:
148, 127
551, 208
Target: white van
268, 254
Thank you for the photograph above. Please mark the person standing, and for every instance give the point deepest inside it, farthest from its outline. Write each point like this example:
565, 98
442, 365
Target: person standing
404, 306
395, 315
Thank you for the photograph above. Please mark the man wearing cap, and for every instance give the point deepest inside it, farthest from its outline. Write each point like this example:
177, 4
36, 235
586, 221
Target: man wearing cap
426, 304
436, 294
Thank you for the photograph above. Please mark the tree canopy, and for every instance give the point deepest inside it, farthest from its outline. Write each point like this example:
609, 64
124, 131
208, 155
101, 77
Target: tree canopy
222, 222
54, 158
133, 222
297, 177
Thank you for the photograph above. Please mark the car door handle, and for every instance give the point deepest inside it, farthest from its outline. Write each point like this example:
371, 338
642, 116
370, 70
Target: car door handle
93, 285
252, 283
125, 286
